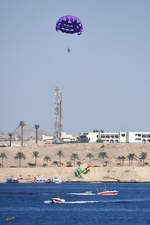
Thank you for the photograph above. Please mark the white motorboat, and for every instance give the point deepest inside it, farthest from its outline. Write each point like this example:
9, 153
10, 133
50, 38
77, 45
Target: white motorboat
57, 200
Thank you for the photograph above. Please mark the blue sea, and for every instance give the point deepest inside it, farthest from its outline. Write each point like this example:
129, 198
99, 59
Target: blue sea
23, 204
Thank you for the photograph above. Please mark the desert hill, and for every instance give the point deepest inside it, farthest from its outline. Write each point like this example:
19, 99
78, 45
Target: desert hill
2, 133
29, 132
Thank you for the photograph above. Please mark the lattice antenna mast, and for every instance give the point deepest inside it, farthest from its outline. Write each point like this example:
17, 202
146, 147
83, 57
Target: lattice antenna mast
58, 116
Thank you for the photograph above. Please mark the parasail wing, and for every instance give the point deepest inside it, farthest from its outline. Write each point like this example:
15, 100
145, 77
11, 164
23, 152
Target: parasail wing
83, 169
69, 24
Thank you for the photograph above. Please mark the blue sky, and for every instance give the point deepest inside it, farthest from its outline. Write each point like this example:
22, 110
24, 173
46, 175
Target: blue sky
104, 80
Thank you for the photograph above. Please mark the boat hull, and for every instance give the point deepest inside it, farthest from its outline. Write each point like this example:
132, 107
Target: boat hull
108, 193
57, 200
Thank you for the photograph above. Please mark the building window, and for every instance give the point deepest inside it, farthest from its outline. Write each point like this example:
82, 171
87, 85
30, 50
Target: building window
139, 135
123, 135
102, 136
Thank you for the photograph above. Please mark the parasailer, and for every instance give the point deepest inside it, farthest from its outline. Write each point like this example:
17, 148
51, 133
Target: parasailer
83, 169
69, 24
68, 50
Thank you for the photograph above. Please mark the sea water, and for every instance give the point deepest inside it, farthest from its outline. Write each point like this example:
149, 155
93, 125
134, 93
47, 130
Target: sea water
23, 204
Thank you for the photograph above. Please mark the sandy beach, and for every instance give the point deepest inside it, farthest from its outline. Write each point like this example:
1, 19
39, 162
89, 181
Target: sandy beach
112, 171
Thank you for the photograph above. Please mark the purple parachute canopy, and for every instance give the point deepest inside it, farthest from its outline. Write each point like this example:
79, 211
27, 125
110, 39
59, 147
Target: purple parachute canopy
69, 24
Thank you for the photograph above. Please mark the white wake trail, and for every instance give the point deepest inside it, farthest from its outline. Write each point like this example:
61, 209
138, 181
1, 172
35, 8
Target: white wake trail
82, 193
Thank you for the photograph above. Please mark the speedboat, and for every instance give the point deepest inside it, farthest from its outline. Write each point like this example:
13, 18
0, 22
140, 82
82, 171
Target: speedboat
114, 192
57, 200
10, 219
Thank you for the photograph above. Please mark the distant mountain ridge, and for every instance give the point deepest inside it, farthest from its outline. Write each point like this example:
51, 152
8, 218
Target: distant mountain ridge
2, 133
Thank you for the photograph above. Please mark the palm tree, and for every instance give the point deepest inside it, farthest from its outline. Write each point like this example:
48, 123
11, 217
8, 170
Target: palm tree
74, 156
3, 156
20, 156
22, 124
121, 159
102, 155
130, 158
143, 156
10, 138
90, 156
56, 163
47, 158
35, 156
60, 154
36, 132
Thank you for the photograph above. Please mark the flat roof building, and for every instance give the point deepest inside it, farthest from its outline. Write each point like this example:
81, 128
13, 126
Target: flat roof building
118, 137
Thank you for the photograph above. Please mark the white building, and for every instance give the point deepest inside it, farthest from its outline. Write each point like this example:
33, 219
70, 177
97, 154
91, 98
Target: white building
107, 137
138, 137
47, 139
119, 137
66, 138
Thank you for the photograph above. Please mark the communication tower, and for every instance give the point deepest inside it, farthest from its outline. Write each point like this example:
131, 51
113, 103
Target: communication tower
58, 117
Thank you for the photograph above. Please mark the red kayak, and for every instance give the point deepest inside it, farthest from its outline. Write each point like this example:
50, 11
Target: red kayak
108, 193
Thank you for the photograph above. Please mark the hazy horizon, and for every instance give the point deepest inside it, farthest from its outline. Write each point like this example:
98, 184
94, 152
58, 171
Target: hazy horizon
104, 80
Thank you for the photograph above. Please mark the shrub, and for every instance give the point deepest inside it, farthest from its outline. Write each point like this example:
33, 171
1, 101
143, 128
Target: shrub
99, 141
3, 145
69, 164
44, 165
31, 164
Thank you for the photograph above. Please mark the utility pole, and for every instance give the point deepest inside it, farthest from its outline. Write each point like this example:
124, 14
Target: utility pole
22, 124
58, 117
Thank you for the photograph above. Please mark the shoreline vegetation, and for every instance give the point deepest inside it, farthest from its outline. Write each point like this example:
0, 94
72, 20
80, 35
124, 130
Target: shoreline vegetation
110, 162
